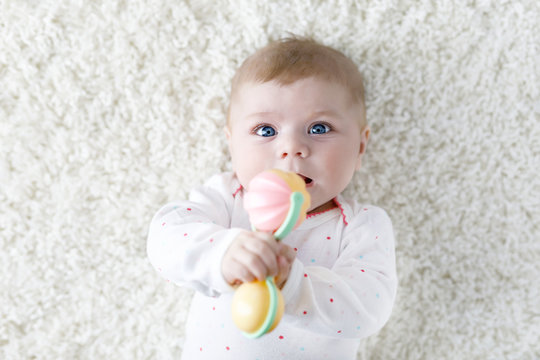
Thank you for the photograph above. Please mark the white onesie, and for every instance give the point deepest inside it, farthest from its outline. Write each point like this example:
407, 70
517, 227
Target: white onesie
341, 286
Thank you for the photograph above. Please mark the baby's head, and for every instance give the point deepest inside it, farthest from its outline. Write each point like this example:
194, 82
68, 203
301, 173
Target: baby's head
292, 59
298, 106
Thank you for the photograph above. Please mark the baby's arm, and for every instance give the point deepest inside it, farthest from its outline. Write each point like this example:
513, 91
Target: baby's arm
185, 245
187, 239
354, 298
190, 243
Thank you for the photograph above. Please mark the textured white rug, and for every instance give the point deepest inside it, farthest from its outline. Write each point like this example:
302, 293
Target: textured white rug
110, 109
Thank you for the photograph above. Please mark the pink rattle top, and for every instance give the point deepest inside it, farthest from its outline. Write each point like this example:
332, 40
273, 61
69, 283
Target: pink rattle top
268, 200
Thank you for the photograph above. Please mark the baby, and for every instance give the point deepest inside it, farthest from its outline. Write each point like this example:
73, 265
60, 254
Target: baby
298, 106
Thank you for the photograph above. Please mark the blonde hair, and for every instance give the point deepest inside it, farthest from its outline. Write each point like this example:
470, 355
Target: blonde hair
291, 59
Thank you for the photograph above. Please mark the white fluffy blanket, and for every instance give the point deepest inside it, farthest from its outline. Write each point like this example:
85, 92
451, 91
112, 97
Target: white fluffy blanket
108, 109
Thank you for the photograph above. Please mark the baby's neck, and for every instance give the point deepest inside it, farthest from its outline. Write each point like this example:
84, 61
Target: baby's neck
324, 207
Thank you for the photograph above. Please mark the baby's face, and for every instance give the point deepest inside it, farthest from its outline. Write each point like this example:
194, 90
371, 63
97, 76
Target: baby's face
310, 127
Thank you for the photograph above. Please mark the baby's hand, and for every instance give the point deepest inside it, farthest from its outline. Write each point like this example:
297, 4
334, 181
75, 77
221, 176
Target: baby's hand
256, 255
285, 259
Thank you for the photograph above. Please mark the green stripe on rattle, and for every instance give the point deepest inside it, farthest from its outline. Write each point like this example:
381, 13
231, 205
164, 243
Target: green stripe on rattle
297, 199
272, 310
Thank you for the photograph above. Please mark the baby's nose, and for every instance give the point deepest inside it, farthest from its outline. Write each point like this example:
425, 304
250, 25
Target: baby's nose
298, 153
293, 147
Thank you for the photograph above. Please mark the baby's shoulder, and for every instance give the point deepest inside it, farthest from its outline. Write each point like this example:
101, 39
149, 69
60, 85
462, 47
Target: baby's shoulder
225, 183
219, 187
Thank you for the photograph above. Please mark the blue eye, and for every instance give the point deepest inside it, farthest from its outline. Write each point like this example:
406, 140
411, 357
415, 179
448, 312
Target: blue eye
319, 129
265, 131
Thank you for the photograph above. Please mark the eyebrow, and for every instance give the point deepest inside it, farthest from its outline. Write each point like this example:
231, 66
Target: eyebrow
320, 112
329, 113
261, 113
324, 112
265, 114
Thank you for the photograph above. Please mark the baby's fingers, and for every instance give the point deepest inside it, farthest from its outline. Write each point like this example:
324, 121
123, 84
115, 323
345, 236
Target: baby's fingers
284, 270
252, 255
287, 252
260, 259
238, 273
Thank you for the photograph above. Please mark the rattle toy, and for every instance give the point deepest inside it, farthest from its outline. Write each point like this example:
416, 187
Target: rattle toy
277, 202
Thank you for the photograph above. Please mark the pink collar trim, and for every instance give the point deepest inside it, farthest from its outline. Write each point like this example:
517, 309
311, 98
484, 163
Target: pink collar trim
240, 188
338, 205
344, 217
321, 212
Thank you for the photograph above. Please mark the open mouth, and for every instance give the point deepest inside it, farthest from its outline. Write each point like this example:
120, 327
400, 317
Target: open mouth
307, 180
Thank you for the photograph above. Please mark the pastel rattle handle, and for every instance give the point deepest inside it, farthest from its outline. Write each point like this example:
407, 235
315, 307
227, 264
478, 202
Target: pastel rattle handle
276, 199
297, 199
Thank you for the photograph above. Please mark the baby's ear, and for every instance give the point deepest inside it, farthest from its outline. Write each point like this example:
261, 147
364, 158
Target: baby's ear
364, 138
227, 132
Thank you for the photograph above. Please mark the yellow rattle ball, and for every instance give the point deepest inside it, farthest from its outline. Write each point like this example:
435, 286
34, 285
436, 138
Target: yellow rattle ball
253, 309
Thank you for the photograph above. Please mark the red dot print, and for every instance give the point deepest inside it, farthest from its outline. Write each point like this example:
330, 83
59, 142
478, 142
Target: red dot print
305, 275
331, 300
214, 308
185, 234
295, 249
188, 209
280, 337
228, 348
339, 332
305, 312
200, 349
363, 270
328, 238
